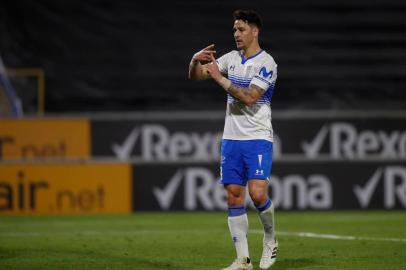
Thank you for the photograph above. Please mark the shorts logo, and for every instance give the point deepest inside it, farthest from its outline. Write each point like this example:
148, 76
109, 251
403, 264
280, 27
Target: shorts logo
259, 171
260, 160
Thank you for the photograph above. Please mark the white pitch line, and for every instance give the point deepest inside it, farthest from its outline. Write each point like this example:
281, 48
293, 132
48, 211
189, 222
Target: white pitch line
334, 236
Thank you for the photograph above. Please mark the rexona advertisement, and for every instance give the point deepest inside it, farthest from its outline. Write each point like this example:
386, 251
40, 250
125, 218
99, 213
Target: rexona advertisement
188, 139
156, 140
44, 138
321, 161
65, 188
293, 186
346, 138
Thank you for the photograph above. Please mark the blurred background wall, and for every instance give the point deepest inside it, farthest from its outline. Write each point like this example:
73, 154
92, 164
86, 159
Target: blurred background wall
104, 90
133, 55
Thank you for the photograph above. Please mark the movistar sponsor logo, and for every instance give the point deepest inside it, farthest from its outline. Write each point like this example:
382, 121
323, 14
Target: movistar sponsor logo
265, 73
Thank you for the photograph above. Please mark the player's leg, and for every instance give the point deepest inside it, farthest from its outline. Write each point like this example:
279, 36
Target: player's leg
258, 159
237, 219
232, 178
258, 190
238, 225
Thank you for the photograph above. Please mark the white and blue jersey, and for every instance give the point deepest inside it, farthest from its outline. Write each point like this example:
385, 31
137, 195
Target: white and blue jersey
246, 150
244, 122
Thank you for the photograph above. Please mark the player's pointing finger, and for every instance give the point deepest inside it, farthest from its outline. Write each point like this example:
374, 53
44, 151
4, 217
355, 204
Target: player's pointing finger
210, 52
209, 47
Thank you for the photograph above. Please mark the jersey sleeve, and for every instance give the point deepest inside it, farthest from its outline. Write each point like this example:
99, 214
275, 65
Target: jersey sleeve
266, 75
223, 62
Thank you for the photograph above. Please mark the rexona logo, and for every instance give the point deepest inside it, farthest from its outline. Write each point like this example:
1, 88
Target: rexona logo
296, 191
201, 188
345, 141
393, 179
158, 144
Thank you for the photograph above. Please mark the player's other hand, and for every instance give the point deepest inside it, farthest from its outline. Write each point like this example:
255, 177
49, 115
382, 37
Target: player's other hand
213, 69
204, 55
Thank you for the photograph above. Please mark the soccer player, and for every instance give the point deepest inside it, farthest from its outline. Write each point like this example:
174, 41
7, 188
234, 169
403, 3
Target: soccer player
248, 76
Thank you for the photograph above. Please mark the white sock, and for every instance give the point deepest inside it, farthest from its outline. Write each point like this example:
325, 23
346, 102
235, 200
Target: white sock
238, 226
267, 219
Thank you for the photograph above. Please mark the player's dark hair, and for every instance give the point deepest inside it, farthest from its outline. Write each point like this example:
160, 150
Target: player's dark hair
249, 16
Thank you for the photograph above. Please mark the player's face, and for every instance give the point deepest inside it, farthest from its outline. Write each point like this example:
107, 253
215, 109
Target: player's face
244, 34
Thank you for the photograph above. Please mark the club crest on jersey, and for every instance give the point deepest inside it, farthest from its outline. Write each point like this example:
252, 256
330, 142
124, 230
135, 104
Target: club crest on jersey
265, 73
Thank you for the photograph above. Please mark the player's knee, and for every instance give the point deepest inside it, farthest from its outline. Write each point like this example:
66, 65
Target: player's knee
258, 197
234, 197
234, 201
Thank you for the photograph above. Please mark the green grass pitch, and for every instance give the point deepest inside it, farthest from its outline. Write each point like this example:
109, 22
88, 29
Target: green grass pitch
193, 240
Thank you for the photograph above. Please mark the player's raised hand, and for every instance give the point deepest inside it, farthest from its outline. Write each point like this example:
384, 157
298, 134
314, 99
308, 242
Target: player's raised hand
205, 54
213, 69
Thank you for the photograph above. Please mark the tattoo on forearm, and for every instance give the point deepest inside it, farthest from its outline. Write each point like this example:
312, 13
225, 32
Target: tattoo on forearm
240, 92
237, 91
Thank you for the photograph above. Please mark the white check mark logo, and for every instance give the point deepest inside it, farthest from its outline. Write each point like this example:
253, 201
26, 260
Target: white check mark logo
123, 151
364, 194
165, 195
311, 149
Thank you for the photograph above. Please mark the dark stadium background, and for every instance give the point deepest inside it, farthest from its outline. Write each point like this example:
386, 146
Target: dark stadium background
117, 96
126, 55
114, 163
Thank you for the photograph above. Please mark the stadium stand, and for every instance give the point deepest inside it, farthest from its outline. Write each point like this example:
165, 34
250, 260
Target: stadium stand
133, 56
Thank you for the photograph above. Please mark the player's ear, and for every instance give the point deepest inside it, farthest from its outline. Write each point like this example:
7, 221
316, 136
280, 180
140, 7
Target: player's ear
255, 31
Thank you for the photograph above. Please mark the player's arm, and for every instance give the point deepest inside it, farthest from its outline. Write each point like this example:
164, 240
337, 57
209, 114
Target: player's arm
197, 71
248, 95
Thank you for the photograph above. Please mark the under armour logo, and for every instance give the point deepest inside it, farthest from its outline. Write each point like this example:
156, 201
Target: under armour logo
232, 68
259, 172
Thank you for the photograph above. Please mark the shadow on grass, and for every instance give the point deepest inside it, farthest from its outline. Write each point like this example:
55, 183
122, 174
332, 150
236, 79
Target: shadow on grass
158, 265
79, 259
7, 254
293, 263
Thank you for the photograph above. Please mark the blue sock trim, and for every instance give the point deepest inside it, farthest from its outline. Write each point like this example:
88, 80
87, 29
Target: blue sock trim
264, 206
235, 211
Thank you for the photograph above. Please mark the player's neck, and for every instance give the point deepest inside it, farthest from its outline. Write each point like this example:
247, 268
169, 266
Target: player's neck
252, 50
